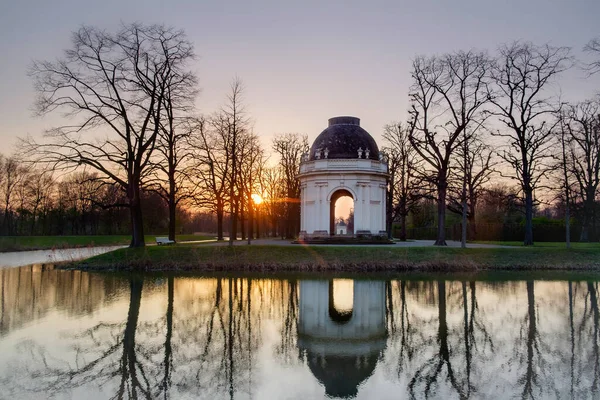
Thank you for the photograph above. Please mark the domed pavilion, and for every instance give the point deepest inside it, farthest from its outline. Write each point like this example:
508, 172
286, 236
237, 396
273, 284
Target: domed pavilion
344, 160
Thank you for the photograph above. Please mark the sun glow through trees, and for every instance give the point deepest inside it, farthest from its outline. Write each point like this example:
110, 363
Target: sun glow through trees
256, 198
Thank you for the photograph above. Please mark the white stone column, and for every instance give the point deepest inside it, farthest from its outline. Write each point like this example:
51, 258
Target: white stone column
365, 208
320, 209
311, 204
384, 207
379, 210
327, 212
302, 208
357, 210
368, 206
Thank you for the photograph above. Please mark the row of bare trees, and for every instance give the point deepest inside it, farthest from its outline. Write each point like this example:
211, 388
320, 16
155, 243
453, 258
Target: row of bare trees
41, 202
231, 172
473, 115
121, 93
128, 98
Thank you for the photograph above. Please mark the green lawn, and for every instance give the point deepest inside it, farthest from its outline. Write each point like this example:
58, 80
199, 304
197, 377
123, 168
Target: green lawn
562, 245
20, 243
260, 258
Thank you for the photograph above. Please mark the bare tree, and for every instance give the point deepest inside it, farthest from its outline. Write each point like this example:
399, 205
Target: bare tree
112, 89
475, 167
211, 168
21, 198
218, 145
447, 96
2, 180
274, 189
252, 161
593, 48
290, 147
233, 114
403, 188
39, 191
13, 176
173, 165
565, 187
521, 75
582, 123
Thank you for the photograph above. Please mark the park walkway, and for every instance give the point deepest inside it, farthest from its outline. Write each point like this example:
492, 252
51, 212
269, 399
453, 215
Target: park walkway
284, 242
21, 258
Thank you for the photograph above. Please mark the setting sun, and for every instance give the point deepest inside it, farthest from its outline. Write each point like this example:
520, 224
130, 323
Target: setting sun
256, 198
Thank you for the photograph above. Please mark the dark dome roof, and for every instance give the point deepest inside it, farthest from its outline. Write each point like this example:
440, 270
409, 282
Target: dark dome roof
342, 139
342, 374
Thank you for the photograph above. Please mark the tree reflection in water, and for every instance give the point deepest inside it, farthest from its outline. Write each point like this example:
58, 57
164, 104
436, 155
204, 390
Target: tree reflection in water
101, 353
237, 338
427, 375
530, 379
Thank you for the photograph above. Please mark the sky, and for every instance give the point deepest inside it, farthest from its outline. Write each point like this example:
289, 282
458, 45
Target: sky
301, 62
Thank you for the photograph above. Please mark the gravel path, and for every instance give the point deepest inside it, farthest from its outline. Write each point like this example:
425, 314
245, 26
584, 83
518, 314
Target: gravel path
411, 243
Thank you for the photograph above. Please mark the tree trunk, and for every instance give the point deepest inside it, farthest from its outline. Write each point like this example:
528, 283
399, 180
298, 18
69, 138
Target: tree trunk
172, 208
463, 233
172, 216
584, 236
594, 232
220, 212
242, 212
587, 211
567, 197
32, 228
234, 221
5, 221
273, 227
471, 227
389, 205
528, 241
441, 208
258, 228
250, 219
567, 222
403, 226
137, 222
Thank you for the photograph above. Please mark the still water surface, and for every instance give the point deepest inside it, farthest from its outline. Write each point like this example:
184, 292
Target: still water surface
70, 334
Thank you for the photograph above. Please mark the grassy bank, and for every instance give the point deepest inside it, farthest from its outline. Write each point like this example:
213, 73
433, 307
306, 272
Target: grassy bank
258, 258
560, 245
23, 243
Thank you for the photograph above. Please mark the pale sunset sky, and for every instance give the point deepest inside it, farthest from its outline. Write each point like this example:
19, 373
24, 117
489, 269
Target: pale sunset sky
302, 62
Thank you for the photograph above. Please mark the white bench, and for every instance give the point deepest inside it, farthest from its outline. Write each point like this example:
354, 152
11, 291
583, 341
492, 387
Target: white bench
164, 240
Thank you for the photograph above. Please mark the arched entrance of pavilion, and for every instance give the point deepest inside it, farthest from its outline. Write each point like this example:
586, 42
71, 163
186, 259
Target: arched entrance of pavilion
333, 198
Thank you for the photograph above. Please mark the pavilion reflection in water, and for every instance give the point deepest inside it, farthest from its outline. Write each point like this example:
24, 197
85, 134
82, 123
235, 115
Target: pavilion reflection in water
342, 347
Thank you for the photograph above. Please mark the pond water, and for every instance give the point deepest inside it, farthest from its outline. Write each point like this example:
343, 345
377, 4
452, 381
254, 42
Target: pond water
70, 334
